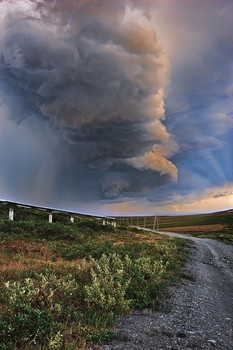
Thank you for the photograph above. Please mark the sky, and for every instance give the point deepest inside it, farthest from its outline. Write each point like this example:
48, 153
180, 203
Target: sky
117, 107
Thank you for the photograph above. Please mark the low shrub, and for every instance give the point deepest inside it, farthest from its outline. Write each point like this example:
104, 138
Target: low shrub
56, 231
91, 224
136, 249
31, 229
117, 284
84, 250
36, 309
109, 282
13, 228
27, 325
146, 283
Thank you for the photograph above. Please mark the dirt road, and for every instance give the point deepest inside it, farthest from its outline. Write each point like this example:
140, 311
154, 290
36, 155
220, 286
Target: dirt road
201, 315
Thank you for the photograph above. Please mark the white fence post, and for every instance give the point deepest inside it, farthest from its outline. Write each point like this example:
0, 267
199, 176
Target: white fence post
50, 218
11, 214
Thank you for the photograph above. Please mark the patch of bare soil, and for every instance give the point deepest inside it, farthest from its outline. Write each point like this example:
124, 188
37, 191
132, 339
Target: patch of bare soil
200, 228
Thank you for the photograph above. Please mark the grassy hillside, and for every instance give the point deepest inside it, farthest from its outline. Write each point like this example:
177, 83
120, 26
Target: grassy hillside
31, 214
213, 225
63, 285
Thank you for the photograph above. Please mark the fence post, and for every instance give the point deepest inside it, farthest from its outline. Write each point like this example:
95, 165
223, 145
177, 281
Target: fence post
50, 218
11, 214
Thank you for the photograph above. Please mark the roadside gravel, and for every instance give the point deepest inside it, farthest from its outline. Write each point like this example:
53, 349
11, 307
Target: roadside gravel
201, 311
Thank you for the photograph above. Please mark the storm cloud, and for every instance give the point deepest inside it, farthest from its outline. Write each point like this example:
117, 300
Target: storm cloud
116, 104
96, 74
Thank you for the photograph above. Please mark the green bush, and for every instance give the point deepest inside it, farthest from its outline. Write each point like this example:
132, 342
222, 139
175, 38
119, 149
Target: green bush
118, 283
36, 309
27, 324
109, 282
46, 290
95, 226
56, 341
81, 251
56, 231
135, 250
31, 229
13, 228
146, 284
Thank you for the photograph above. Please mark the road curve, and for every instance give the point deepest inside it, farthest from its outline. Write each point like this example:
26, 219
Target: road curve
201, 315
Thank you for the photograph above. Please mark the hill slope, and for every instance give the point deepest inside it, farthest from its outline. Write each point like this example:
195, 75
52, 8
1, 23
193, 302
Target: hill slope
214, 225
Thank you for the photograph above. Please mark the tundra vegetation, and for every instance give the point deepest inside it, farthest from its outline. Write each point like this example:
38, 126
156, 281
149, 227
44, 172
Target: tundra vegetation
218, 225
63, 285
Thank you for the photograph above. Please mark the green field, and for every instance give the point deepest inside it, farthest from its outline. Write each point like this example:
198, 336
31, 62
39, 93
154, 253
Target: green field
63, 285
217, 225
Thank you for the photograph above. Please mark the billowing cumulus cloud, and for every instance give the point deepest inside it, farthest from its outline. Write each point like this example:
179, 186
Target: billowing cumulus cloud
115, 101
97, 74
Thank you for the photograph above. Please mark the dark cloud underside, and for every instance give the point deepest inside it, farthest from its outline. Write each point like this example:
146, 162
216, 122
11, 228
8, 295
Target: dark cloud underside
98, 83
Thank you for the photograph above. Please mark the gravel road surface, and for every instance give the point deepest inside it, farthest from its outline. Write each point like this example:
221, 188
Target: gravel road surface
201, 315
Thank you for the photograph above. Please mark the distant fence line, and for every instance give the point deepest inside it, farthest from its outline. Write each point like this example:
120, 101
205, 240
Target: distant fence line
133, 221
139, 221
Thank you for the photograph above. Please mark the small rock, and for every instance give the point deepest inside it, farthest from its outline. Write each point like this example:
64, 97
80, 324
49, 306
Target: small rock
146, 311
124, 336
167, 333
212, 342
190, 332
181, 334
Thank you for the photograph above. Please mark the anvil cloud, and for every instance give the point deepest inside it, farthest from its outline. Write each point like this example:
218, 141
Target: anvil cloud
112, 102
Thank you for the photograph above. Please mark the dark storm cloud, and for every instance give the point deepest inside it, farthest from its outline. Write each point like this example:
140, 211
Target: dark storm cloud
96, 74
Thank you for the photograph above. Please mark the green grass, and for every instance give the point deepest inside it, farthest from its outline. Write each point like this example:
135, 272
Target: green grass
217, 225
63, 285
224, 217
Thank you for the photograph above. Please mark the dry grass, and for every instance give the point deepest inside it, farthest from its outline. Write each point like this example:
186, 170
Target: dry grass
19, 256
27, 248
130, 237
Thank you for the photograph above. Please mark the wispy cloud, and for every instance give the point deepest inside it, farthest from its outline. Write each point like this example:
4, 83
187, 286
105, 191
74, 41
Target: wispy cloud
209, 200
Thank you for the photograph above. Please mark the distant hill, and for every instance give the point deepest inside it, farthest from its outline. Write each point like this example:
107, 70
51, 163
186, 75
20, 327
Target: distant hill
172, 221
